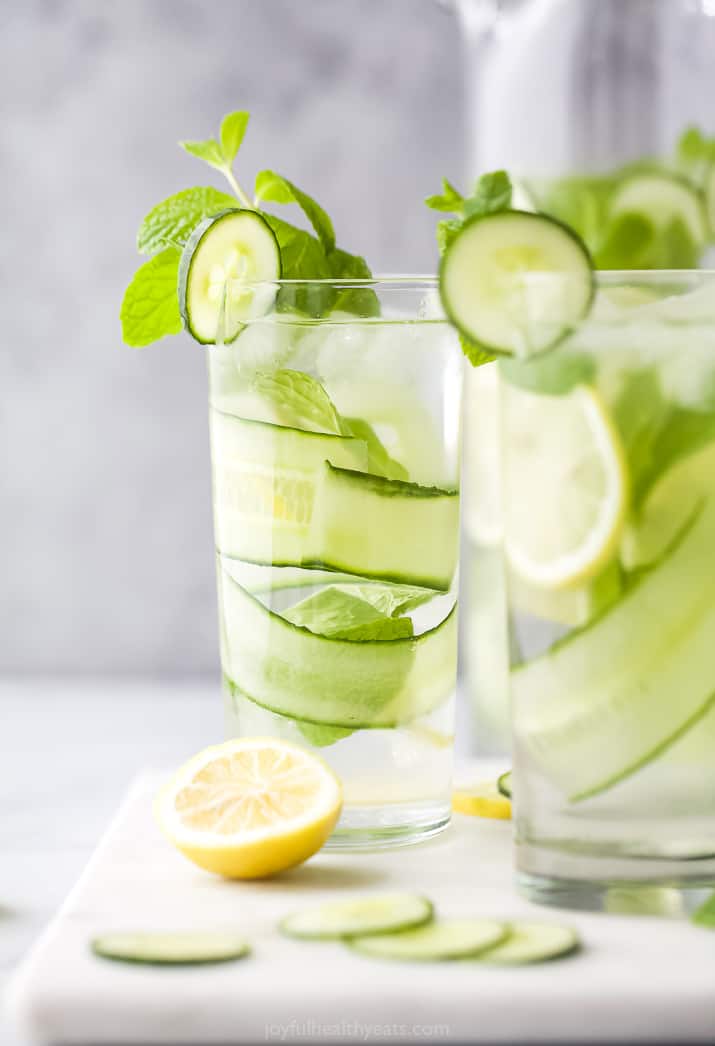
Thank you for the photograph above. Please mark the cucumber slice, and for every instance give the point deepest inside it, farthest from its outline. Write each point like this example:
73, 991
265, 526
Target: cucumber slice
171, 949
363, 915
223, 251
662, 198
265, 479
286, 497
609, 699
444, 939
516, 282
672, 505
533, 942
387, 528
337, 682
504, 784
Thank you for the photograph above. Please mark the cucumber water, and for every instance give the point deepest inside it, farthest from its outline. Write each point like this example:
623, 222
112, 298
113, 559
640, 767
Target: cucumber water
336, 560
613, 673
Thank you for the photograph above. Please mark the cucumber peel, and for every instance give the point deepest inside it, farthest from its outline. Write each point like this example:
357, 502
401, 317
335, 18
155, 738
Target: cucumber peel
382, 913
187, 948
436, 941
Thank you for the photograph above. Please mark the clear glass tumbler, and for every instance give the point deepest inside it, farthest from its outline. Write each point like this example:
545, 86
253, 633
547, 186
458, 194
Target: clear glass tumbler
335, 425
608, 481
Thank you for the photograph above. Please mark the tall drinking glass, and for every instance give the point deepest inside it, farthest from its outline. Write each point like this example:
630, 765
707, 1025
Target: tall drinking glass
608, 480
334, 421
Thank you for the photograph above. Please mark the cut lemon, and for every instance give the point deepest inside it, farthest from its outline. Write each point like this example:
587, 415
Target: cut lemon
250, 807
565, 486
481, 800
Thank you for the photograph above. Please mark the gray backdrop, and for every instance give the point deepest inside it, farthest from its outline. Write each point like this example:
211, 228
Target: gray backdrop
105, 529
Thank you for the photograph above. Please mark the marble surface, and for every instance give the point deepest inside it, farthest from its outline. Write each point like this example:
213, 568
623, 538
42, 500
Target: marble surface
69, 751
631, 977
107, 561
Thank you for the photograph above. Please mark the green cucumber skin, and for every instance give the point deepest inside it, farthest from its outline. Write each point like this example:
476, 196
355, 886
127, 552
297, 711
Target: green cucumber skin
609, 700
187, 258
390, 548
568, 329
335, 538
242, 444
292, 671
426, 916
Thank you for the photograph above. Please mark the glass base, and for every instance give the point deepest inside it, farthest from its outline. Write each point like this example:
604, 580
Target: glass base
373, 827
617, 885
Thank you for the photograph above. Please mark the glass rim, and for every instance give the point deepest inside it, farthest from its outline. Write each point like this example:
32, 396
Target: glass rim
407, 281
403, 281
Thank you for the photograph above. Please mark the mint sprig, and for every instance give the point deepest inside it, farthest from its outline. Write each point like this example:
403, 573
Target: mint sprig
491, 193
150, 308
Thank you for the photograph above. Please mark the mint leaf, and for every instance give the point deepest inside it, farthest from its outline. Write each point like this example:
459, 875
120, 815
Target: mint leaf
379, 462
475, 353
150, 309
337, 613
388, 599
302, 401
172, 221
447, 229
277, 189
656, 433
581, 202
209, 150
492, 193
450, 200
360, 301
627, 241
302, 256
694, 153
233, 129
705, 914
678, 249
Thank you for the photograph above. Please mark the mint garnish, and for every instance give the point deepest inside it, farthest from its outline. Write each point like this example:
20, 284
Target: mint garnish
656, 432
172, 221
492, 193
150, 309
305, 255
695, 153
302, 401
277, 189
337, 613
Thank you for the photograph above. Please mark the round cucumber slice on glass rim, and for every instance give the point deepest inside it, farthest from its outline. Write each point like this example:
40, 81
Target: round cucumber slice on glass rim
171, 949
662, 198
382, 913
224, 253
515, 282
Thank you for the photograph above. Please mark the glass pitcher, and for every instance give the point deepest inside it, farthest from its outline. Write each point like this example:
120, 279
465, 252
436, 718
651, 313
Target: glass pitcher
565, 95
